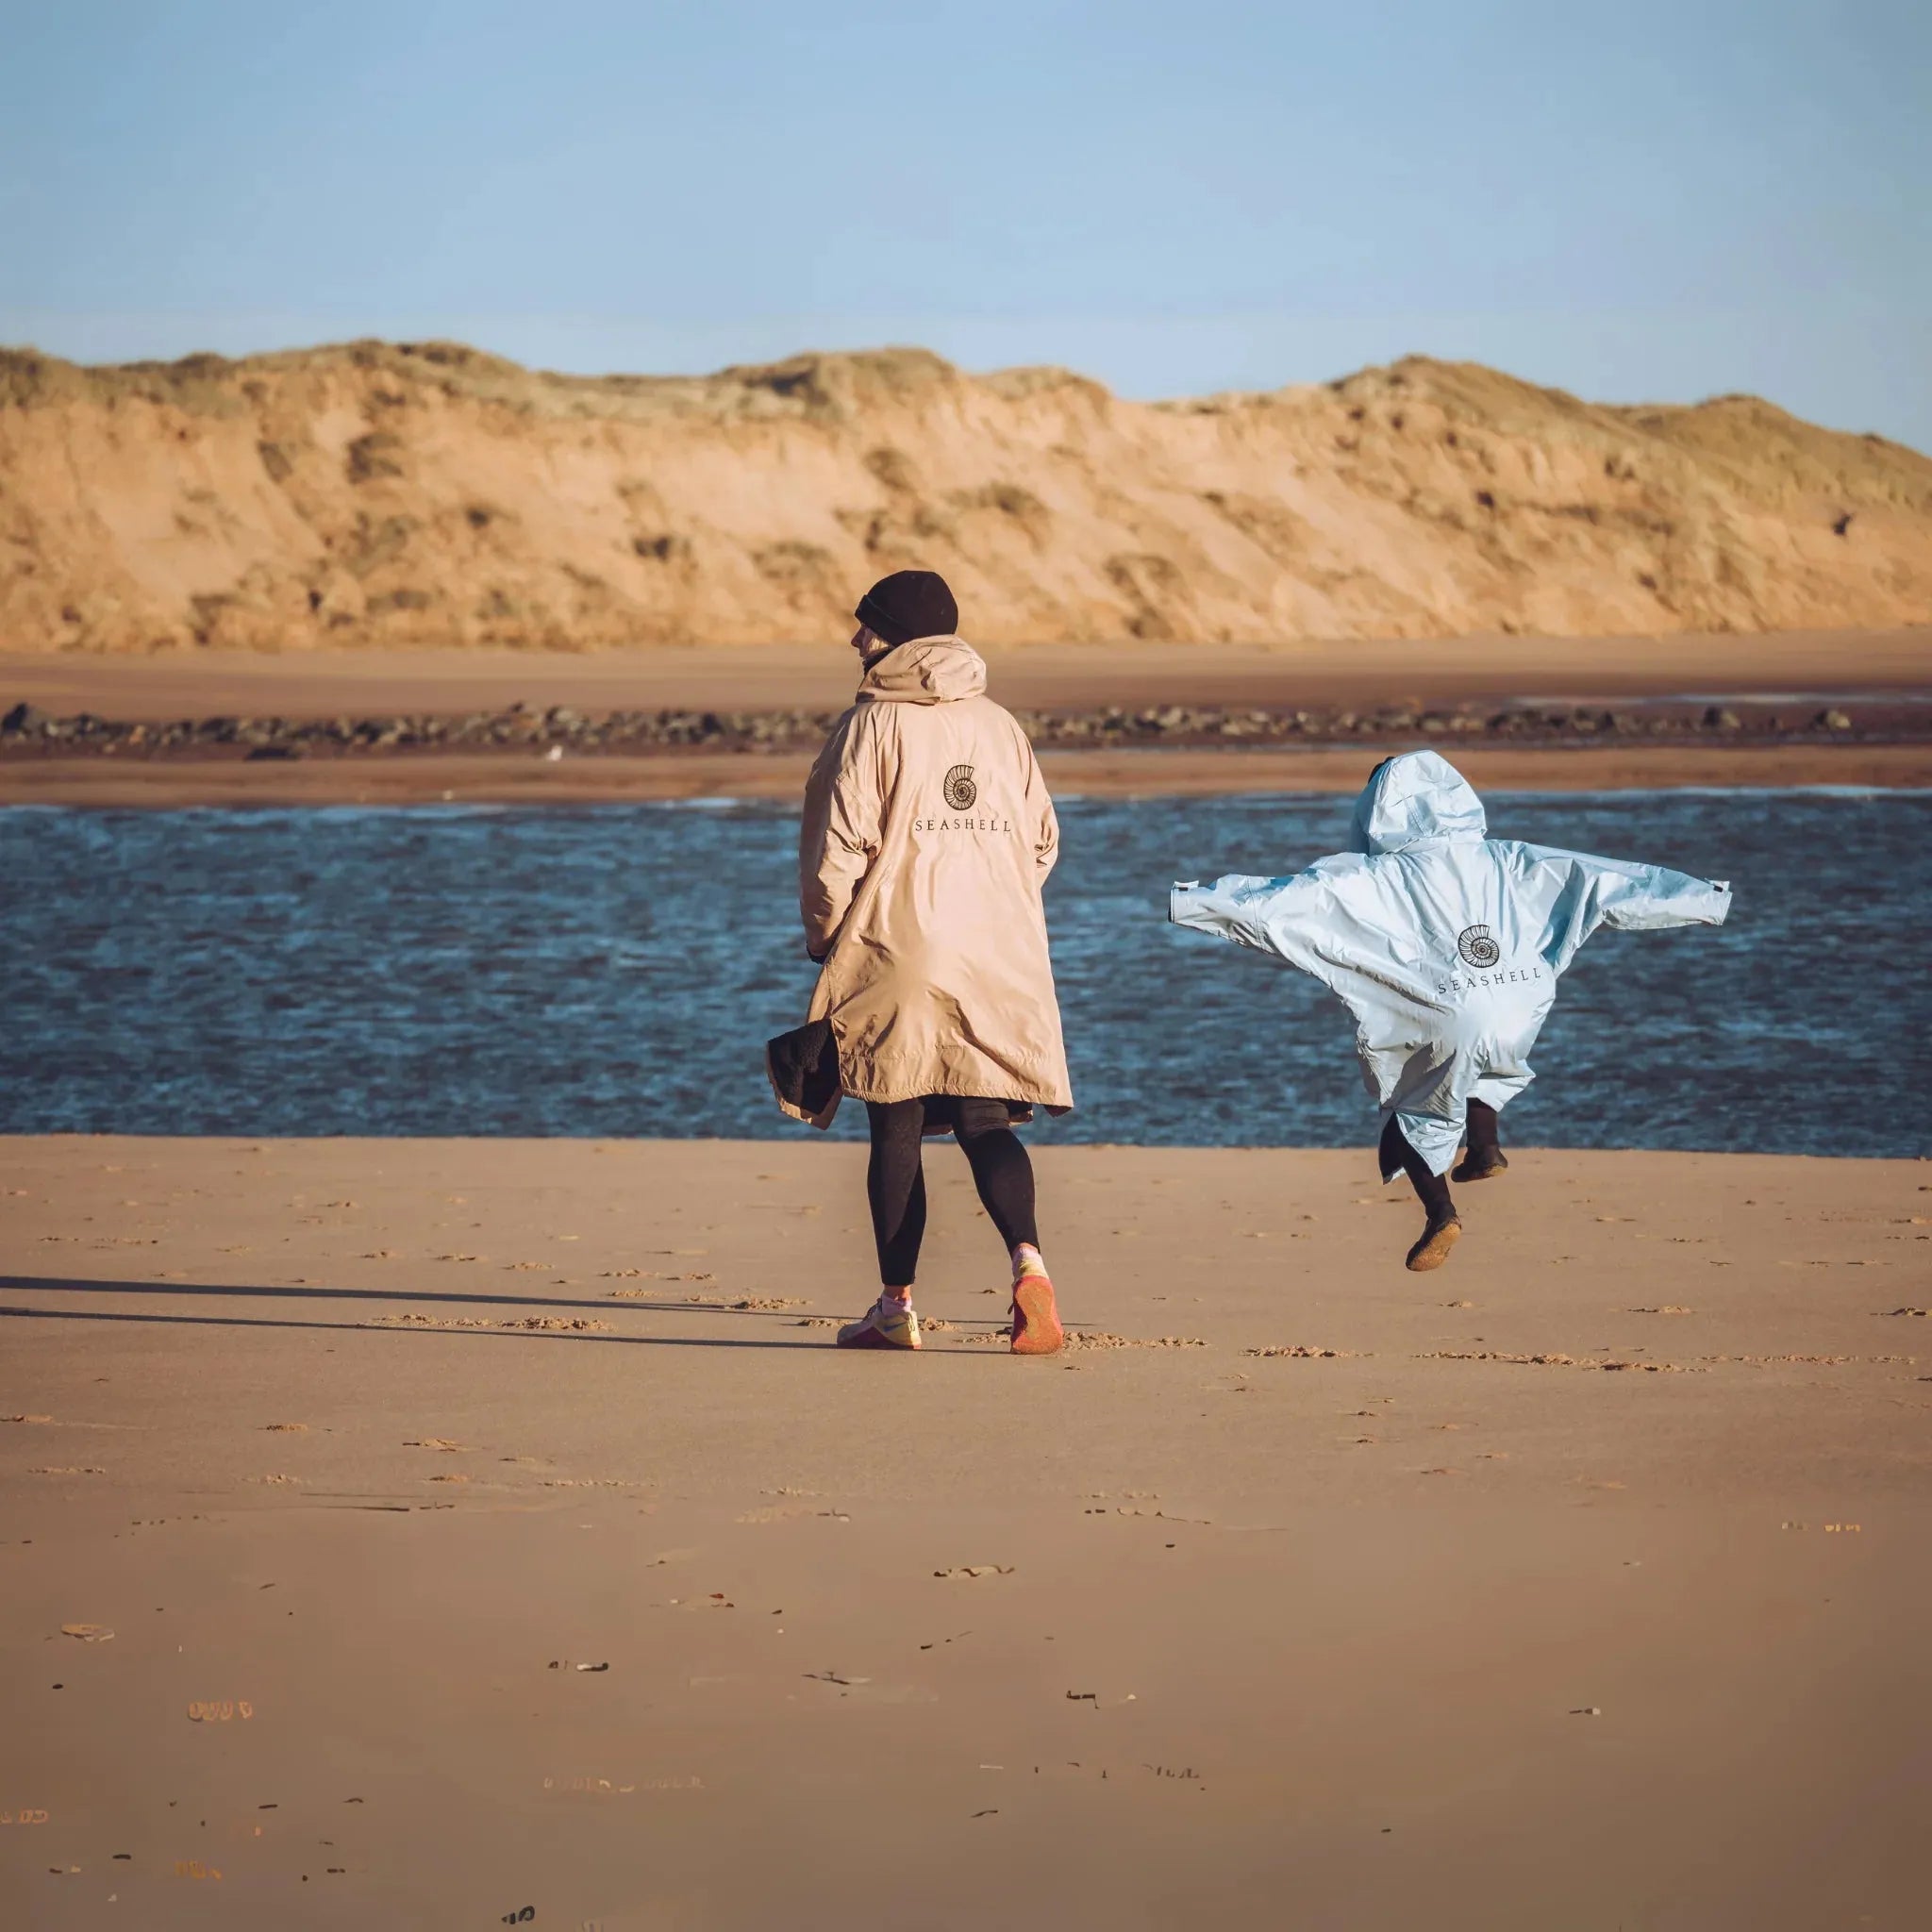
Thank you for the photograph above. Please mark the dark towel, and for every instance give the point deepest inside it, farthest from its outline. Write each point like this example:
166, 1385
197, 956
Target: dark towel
802, 1067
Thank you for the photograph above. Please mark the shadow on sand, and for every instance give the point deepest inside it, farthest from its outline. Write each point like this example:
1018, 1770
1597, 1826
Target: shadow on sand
39, 1284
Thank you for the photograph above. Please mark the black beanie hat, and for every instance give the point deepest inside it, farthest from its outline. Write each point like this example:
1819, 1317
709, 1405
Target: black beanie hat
909, 604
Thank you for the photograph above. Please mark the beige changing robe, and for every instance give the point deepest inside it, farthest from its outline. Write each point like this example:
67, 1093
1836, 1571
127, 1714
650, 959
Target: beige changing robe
926, 837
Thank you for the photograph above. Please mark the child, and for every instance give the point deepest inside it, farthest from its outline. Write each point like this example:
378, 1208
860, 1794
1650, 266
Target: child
1447, 946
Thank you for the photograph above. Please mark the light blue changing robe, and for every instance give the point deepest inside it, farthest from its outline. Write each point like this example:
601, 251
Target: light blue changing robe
1445, 945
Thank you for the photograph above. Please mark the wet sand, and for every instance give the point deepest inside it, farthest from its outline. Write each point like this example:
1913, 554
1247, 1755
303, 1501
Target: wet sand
322, 684
1581, 1584
299, 686
529, 778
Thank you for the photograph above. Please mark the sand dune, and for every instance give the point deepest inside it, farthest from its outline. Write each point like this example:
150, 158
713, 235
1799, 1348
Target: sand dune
429, 494
497, 1531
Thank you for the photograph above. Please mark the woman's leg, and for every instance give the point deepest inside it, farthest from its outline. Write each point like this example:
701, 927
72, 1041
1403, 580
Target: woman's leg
1441, 1231
1001, 1170
1004, 1176
895, 1187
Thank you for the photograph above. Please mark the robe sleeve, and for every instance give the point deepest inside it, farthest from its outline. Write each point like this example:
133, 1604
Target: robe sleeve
1043, 821
1590, 892
839, 835
1294, 918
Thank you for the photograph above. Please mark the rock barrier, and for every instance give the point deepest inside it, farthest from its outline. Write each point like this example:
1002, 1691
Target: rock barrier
25, 729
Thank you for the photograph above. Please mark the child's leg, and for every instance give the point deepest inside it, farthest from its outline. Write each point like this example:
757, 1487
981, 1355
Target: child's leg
1431, 1188
1442, 1228
1485, 1155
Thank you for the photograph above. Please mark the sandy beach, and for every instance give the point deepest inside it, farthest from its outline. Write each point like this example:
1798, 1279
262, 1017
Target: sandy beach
1824, 666
526, 778
535, 559
1580, 1584
1577, 1585
1366, 670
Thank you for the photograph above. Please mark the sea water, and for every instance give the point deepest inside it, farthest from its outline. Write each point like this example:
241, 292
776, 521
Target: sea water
614, 971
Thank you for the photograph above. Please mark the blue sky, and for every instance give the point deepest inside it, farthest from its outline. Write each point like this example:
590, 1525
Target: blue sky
1638, 202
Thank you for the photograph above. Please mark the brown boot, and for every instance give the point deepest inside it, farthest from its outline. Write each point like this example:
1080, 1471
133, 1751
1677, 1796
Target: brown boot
1442, 1234
1483, 1156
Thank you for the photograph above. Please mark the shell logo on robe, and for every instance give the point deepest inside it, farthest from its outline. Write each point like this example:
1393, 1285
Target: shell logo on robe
961, 792
1476, 947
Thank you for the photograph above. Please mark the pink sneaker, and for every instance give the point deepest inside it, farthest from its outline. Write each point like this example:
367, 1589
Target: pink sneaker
1036, 1321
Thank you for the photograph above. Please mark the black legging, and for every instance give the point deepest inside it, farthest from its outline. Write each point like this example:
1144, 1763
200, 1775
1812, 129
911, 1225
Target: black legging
1432, 1190
895, 1180
1479, 1129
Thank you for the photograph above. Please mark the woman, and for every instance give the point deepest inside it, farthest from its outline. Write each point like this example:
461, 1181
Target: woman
927, 836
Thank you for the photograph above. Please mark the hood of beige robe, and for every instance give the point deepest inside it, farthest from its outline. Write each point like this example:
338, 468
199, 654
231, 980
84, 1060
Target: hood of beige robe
924, 671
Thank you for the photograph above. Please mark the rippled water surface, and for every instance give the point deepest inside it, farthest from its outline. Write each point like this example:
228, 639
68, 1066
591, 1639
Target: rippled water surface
614, 971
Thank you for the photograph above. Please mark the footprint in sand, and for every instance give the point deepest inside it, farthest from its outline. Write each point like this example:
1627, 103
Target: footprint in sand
414, 1321
1088, 1338
1550, 1361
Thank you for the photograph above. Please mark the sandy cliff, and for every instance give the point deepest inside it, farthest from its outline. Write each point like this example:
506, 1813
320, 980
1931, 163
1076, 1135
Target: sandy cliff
421, 493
